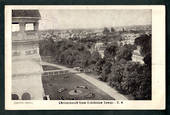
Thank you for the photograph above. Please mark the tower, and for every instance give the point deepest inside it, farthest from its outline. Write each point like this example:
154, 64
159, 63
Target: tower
26, 67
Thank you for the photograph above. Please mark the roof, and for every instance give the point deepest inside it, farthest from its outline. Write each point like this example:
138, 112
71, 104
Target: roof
26, 13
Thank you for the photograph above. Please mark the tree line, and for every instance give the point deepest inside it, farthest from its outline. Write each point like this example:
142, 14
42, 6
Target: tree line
128, 77
116, 68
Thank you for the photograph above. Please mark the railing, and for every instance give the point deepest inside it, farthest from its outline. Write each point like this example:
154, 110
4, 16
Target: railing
55, 72
27, 35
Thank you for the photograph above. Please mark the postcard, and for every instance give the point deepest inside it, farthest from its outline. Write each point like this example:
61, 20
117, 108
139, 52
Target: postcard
84, 57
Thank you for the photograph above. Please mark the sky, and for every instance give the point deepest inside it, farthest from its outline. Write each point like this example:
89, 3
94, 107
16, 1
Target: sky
83, 18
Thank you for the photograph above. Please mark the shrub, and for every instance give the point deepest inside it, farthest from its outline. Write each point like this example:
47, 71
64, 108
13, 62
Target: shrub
131, 78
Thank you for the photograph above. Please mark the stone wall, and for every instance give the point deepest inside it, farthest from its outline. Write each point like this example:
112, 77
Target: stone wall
31, 84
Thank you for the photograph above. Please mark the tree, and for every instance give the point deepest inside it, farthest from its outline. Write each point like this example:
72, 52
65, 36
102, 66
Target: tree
110, 52
85, 58
80, 47
99, 66
95, 56
72, 53
106, 30
125, 52
131, 78
46, 47
106, 70
144, 41
112, 29
116, 74
147, 60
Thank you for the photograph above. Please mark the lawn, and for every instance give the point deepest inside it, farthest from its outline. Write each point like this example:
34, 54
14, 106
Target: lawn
46, 68
71, 87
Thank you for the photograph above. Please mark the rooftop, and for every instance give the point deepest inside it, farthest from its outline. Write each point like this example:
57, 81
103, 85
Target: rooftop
26, 13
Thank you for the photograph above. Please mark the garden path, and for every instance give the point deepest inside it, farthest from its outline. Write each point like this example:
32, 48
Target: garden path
101, 85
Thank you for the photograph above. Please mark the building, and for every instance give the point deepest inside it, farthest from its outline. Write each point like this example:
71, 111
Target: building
129, 38
137, 57
100, 47
26, 67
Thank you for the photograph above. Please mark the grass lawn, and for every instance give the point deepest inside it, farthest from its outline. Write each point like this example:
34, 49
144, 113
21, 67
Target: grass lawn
46, 68
67, 83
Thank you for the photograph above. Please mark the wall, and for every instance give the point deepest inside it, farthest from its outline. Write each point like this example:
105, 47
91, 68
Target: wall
28, 83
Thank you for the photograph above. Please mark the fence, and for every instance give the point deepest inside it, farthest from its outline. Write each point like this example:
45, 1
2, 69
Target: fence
55, 72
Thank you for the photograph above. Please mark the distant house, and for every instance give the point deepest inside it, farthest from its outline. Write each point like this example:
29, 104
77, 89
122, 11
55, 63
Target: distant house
100, 47
137, 57
129, 38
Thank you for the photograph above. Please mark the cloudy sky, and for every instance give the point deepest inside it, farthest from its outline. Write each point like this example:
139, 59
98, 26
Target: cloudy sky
65, 19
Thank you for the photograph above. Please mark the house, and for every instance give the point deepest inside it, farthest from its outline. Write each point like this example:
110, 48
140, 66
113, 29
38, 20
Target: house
137, 57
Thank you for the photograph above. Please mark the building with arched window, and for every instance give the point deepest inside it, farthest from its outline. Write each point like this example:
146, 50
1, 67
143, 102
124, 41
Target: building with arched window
26, 67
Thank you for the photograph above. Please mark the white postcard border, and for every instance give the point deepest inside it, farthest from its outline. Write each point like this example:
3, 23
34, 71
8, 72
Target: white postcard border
158, 65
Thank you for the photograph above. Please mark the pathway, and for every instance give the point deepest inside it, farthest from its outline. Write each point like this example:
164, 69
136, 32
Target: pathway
101, 85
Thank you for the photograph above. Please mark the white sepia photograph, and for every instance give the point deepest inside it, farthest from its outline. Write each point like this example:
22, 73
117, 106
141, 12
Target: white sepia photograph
84, 57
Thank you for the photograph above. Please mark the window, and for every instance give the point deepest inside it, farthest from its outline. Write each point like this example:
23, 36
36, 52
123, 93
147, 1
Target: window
15, 27
50, 73
45, 73
56, 73
15, 97
31, 52
35, 51
29, 26
26, 96
28, 52
15, 53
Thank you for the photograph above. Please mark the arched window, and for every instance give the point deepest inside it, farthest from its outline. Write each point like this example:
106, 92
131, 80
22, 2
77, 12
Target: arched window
15, 97
26, 96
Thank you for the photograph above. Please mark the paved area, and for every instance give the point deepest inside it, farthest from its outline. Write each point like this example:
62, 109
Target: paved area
101, 85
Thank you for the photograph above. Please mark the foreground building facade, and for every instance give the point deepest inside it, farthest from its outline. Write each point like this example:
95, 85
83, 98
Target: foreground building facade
26, 67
